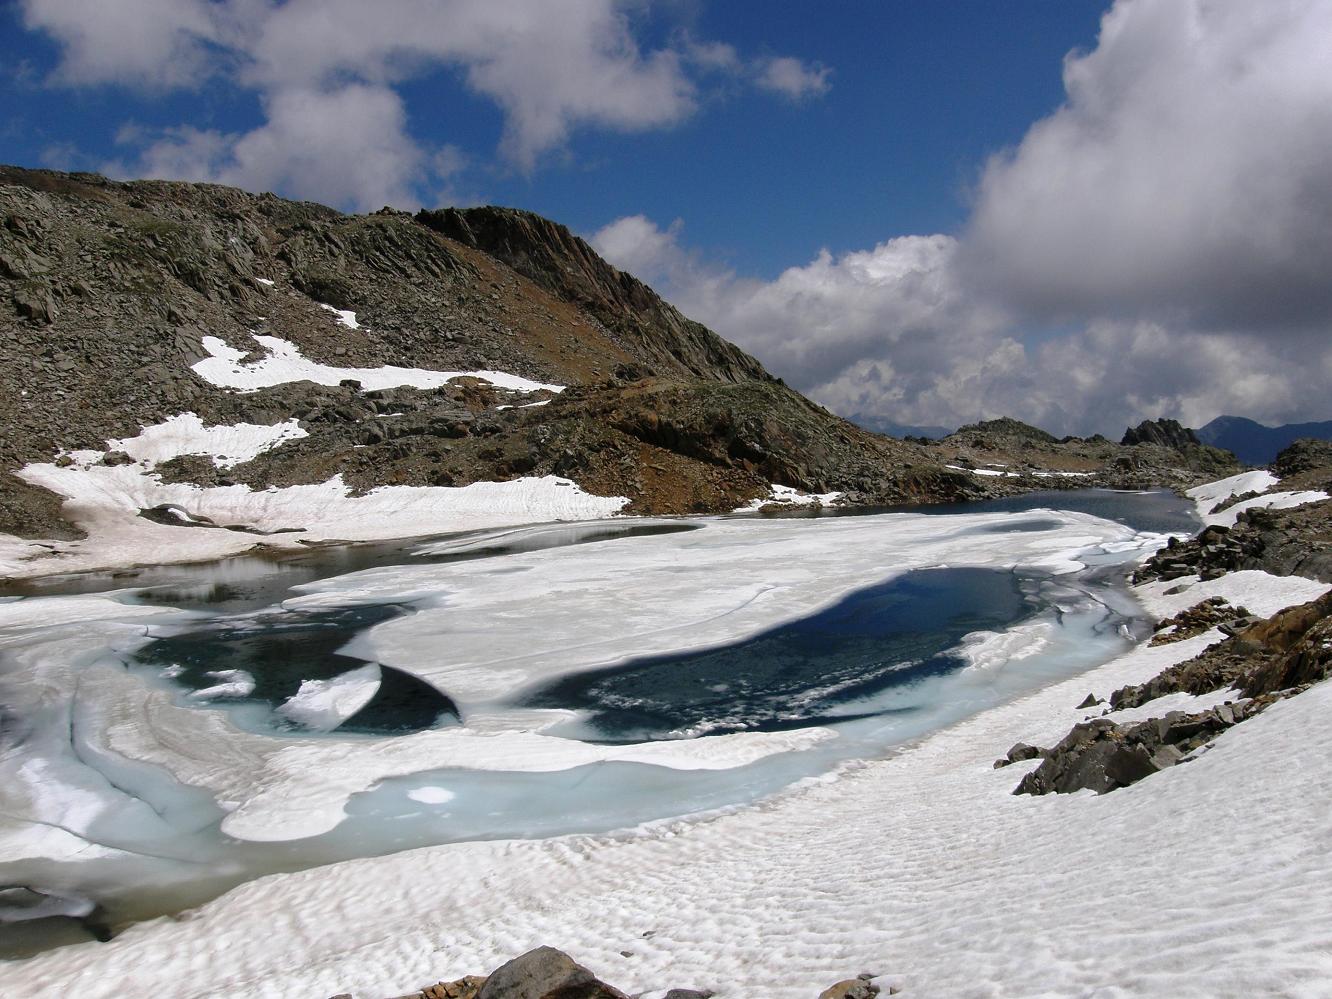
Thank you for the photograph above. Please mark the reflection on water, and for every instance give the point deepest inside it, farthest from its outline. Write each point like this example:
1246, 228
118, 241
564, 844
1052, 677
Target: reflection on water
252, 582
1157, 510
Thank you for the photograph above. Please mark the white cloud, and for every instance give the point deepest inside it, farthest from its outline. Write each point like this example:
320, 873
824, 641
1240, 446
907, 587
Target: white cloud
1161, 245
794, 79
551, 68
1187, 176
144, 43
347, 146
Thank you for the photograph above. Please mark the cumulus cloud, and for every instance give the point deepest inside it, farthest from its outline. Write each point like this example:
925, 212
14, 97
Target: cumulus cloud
342, 146
551, 68
794, 79
1187, 175
155, 44
1161, 245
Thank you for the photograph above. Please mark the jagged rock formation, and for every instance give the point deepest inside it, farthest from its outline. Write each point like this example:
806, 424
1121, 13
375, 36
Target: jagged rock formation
1168, 433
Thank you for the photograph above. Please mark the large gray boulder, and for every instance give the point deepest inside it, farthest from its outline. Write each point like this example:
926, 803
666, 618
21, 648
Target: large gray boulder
546, 973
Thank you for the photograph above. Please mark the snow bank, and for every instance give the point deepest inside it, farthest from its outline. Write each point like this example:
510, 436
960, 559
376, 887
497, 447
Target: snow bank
789, 496
1210, 495
186, 434
106, 500
285, 363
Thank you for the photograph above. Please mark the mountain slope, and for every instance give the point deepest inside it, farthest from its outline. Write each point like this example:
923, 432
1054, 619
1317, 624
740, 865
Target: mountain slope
437, 350
110, 293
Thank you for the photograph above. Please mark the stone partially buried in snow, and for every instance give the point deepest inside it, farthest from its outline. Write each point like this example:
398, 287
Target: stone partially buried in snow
546, 973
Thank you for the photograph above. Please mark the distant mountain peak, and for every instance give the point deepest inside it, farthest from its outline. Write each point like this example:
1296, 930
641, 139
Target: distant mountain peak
1255, 443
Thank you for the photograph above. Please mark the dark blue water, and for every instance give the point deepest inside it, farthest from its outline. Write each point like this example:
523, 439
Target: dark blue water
806, 672
281, 650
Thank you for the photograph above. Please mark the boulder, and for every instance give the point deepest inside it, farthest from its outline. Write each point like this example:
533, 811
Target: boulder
851, 988
546, 973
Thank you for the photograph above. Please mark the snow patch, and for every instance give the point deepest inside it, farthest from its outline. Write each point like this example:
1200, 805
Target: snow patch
106, 501
345, 316
789, 496
284, 363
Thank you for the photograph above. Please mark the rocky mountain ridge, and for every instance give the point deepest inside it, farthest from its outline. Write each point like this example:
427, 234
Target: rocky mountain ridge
109, 292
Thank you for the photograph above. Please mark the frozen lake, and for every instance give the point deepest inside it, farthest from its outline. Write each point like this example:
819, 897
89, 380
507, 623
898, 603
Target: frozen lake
194, 727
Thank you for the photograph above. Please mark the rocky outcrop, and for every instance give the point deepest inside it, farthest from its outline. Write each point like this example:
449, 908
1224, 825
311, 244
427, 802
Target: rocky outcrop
1265, 660
1006, 427
1304, 456
547, 973
1296, 541
641, 321
1102, 756
542, 973
1165, 433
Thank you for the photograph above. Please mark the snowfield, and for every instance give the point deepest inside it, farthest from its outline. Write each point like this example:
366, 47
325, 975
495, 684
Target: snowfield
1212, 494
105, 500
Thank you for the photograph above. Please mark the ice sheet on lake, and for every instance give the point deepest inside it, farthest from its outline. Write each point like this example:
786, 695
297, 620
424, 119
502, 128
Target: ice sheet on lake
923, 868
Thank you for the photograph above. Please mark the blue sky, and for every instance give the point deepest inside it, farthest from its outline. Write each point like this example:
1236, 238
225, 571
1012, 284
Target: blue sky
916, 212
919, 95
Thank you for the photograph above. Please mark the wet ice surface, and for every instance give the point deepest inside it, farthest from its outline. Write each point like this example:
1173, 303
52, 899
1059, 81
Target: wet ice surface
666, 671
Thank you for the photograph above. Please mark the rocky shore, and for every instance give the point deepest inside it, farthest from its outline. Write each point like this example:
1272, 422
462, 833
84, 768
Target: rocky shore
1253, 662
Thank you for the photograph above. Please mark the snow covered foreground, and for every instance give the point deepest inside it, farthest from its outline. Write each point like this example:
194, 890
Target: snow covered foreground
1206, 880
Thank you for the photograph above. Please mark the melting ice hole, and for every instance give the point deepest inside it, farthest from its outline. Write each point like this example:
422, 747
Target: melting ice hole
300, 680
823, 668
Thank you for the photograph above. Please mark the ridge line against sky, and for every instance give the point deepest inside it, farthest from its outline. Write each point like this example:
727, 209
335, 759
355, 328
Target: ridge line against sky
1078, 214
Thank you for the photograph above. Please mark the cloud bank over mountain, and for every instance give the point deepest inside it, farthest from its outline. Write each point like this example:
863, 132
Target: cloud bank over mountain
1159, 245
